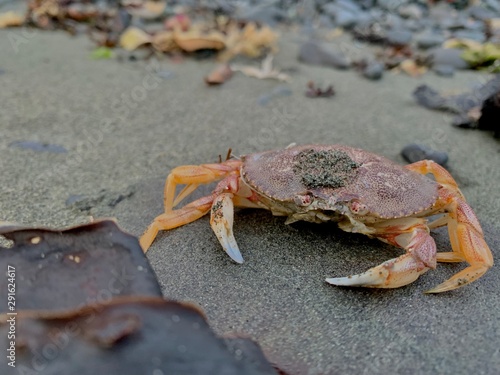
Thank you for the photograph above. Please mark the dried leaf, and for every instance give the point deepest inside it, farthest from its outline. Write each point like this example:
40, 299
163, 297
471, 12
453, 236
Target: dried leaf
265, 72
476, 54
316, 92
10, 19
411, 68
250, 41
133, 38
164, 41
81, 12
195, 40
219, 75
178, 22
147, 9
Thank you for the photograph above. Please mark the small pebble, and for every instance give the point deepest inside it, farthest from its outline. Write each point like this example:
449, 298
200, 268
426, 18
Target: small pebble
373, 70
348, 5
345, 19
448, 56
265, 14
415, 152
480, 13
312, 52
399, 37
478, 36
428, 40
412, 11
444, 70
493, 5
413, 25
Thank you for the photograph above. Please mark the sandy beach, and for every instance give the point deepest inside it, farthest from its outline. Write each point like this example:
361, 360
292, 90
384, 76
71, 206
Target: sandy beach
124, 127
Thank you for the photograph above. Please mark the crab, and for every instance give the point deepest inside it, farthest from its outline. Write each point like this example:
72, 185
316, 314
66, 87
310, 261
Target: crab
361, 191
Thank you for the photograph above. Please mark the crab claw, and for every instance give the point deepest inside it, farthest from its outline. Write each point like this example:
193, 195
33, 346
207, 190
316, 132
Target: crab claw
221, 221
390, 274
421, 256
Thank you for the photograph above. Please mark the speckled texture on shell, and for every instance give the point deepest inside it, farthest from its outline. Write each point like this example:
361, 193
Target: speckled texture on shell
387, 189
324, 168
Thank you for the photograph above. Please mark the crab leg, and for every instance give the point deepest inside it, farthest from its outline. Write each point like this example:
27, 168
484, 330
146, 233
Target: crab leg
467, 242
413, 236
192, 176
173, 219
466, 235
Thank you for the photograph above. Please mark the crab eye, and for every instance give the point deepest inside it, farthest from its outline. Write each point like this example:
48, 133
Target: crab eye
358, 208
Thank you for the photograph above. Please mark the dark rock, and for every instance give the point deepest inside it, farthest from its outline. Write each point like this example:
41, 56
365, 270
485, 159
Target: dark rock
312, 52
426, 23
325, 21
399, 37
372, 33
462, 103
448, 56
463, 121
490, 115
480, 13
393, 21
373, 70
429, 40
389, 5
493, 5
345, 19
348, 5
264, 13
415, 152
478, 36
345, 13
444, 70
412, 11
377, 14
367, 4
413, 25
331, 9
429, 98
440, 12
364, 18
475, 25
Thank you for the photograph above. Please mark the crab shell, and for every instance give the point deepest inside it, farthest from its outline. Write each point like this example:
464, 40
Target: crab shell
328, 182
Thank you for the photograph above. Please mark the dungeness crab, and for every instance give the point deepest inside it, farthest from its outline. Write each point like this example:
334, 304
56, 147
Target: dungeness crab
363, 192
